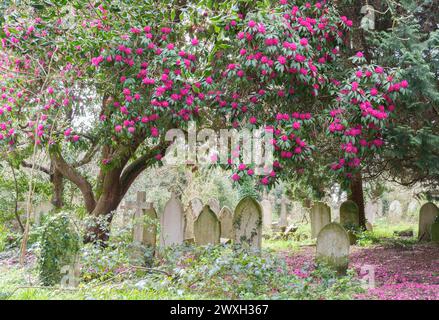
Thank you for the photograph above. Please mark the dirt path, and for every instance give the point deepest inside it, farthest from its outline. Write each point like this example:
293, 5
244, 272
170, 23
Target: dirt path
400, 273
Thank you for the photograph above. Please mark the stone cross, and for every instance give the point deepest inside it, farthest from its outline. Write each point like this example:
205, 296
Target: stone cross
191, 214
144, 232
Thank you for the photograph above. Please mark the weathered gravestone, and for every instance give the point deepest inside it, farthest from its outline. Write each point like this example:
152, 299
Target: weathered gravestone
172, 223
247, 223
267, 218
395, 211
349, 214
191, 214
207, 228
369, 226
226, 220
144, 228
333, 247
320, 216
214, 205
350, 218
145, 222
370, 210
427, 215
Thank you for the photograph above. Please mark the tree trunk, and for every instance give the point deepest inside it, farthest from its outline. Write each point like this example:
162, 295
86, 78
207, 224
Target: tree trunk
58, 188
357, 196
102, 214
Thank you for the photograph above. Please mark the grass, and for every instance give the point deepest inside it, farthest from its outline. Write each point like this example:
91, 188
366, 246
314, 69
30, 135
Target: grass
204, 273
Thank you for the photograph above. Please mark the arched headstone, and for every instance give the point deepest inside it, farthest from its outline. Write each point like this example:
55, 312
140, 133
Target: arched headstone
333, 247
267, 211
214, 205
191, 214
427, 215
320, 216
207, 228
369, 226
349, 214
226, 220
172, 223
247, 223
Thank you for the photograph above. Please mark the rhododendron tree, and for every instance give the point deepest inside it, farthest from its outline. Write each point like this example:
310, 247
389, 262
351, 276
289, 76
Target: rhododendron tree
109, 80
84, 79
283, 71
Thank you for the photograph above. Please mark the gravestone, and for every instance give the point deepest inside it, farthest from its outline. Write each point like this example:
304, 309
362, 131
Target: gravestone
247, 223
267, 218
172, 223
191, 214
226, 220
320, 216
214, 205
427, 215
283, 219
333, 247
395, 211
207, 228
349, 214
144, 228
369, 226
42, 209
370, 210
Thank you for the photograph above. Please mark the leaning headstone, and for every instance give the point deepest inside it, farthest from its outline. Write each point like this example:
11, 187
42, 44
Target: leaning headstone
191, 214
267, 214
333, 247
427, 215
247, 223
395, 211
349, 214
41, 210
172, 223
226, 220
207, 228
320, 216
214, 205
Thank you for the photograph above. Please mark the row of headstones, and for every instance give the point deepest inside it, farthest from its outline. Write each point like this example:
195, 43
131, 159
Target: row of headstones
201, 224
333, 241
320, 216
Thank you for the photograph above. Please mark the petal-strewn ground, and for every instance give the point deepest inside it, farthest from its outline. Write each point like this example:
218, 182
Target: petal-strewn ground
410, 272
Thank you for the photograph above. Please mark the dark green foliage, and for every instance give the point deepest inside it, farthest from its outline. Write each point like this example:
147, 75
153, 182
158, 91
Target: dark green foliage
59, 246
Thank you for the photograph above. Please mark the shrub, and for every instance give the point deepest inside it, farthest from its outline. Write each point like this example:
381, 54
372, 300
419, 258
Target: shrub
59, 246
